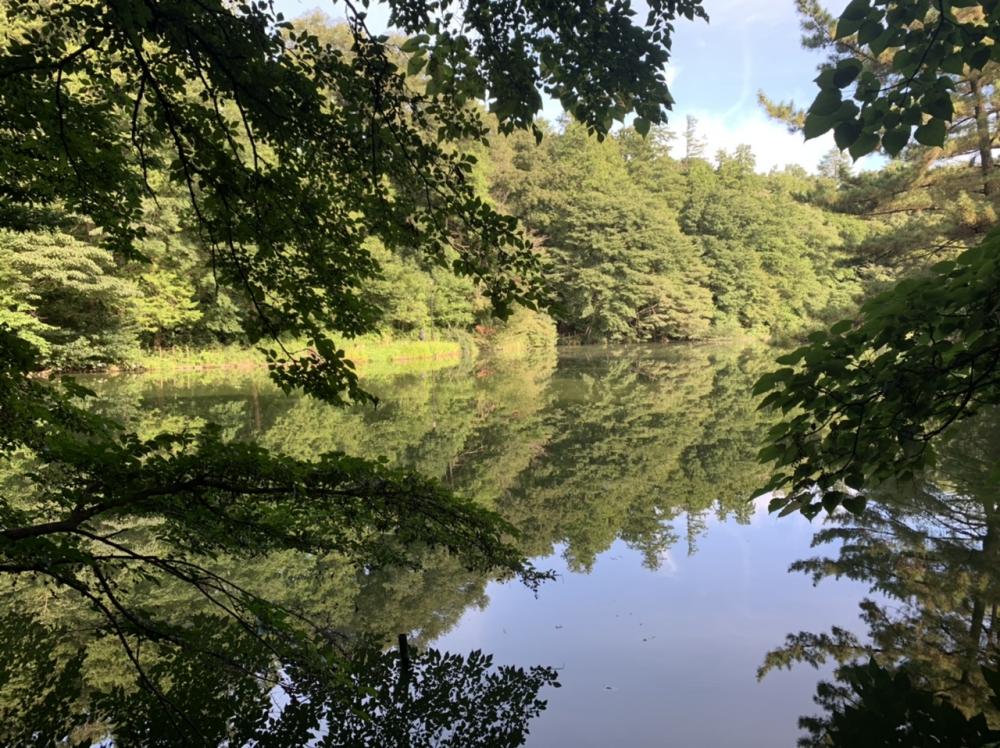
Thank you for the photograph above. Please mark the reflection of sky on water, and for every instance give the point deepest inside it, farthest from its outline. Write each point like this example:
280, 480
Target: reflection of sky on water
647, 658
668, 658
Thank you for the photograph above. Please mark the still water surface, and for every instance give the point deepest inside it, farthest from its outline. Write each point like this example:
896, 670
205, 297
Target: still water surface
628, 472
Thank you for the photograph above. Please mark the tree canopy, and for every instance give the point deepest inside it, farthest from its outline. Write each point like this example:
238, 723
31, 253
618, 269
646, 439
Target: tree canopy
294, 152
868, 397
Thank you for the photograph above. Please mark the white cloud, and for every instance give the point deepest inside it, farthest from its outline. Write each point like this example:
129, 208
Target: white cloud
671, 73
772, 144
667, 566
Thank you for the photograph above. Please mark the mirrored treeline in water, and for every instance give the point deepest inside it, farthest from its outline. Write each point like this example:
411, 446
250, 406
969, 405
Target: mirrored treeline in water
627, 472
582, 448
928, 550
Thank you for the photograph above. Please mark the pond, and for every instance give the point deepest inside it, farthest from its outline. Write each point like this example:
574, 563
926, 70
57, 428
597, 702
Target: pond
628, 473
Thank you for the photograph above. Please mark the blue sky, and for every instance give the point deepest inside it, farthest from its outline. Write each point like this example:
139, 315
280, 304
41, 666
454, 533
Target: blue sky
717, 69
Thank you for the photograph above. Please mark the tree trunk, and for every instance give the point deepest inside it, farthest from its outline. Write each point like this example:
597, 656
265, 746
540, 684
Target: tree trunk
984, 140
979, 602
258, 421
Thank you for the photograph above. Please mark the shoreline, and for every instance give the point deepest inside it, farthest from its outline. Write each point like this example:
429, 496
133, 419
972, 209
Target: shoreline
254, 363
370, 353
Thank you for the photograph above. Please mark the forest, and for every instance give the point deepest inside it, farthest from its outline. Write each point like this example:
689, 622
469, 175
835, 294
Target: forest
642, 238
673, 346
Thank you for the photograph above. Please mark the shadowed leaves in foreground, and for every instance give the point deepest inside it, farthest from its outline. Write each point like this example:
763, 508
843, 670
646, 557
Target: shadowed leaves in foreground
54, 695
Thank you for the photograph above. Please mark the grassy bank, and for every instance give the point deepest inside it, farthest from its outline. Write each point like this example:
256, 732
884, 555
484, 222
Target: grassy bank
366, 352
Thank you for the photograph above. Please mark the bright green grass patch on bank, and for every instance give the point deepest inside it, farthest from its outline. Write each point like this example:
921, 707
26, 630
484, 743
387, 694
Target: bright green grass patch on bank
366, 352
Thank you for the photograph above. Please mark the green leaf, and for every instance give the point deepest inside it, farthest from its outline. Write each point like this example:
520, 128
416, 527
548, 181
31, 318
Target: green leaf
790, 359
815, 126
641, 125
855, 480
847, 70
770, 453
931, 133
857, 10
852, 18
415, 64
765, 383
865, 144
870, 31
841, 327
911, 116
777, 503
846, 27
827, 102
953, 64
939, 105
895, 140
902, 60
882, 42
792, 507
415, 42
831, 500
846, 133
977, 56
855, 504
810, 510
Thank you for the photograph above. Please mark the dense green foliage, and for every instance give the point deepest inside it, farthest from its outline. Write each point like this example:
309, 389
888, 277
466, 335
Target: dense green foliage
929, 201
145, 512
637, 246
293, 158
642, 246
869, 397
877, 393
519, 435
291, 154
883, 708
918, 53
56, 696
215, 105
63, 296
202, 172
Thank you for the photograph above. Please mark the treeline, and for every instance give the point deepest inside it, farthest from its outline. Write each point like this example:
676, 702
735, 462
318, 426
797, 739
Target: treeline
639, 244
643, 246
84, 310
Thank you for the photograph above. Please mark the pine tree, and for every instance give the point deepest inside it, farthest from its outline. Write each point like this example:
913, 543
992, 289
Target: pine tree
935, 200
694, 145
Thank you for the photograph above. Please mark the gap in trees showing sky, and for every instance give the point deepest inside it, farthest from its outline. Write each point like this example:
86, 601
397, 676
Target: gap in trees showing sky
716, 71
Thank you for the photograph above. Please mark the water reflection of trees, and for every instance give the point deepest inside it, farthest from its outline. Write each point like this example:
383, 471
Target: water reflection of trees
636, 443
929, 552
575, 453
65, 682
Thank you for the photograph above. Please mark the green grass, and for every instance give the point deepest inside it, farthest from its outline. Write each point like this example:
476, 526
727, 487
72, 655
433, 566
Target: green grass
368, 351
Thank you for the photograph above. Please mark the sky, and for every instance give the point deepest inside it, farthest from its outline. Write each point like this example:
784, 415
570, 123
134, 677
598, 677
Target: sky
716, 71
